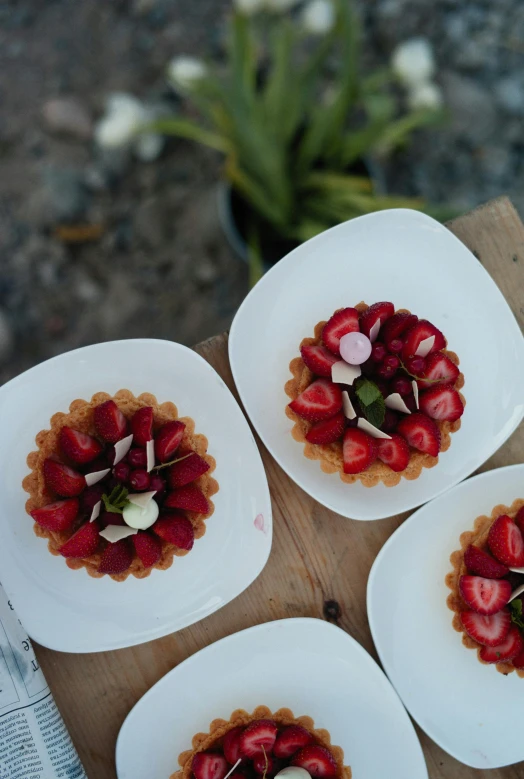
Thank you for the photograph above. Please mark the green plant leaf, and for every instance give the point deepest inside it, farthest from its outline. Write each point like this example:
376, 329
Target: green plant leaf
184, 128
256, 264
396, 133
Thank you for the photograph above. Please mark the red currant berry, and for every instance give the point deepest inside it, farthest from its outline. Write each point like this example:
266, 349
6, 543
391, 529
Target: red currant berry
416, 365
121, 471
395, 345
137, 458
139, 480
378, 352
402, 386
390, 421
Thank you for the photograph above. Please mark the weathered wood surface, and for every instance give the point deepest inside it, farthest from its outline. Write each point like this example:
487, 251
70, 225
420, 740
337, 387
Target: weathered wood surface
312, 562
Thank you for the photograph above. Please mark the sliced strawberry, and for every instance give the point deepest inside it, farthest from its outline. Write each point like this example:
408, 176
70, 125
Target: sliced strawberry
328, 431
318, 359
396, 325
394, 452
479, 562
82, 543
419, 333
439, 370
441, 402
176, 529
142, 426
187, 470
421, 433
518, 661
485, 596
519, 519
359, 450
116, 558
168, 439
258, 736
342, 322
488, 631
373, 314
290, 740
511, 647
321, 400
148, 548
317, 760
62, 479
57, 516
79, 447
506, 542
231, 744
110, 423
188, 498
209, 765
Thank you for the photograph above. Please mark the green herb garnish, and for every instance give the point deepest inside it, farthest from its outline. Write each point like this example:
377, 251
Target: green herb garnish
515, 609
116, 501
371, 401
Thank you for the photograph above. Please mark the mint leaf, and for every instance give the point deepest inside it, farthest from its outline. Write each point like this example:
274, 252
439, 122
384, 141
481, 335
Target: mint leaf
116, 500
371, 401
517, 617
367, 392
376, 412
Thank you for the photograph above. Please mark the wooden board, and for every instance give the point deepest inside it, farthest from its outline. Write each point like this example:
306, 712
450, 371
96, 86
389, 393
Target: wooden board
313, 570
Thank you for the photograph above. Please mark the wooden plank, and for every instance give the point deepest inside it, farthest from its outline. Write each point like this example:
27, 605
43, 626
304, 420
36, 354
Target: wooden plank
312, 570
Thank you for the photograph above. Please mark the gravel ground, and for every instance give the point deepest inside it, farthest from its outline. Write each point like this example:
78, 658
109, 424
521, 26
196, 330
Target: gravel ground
159, 266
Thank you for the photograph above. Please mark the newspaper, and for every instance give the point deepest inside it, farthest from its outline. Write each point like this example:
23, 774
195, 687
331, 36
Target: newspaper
34, 741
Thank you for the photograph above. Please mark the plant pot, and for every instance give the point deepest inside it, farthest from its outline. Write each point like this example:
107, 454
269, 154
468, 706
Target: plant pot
234, 212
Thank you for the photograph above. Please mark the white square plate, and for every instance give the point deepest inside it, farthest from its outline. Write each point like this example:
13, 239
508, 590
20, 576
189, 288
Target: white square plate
415, 262
468, 708
306, 665
69, 610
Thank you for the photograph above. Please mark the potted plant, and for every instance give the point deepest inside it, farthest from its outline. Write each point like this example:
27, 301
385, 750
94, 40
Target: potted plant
296, 121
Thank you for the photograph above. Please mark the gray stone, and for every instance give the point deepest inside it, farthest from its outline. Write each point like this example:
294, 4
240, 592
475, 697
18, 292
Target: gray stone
86, 289
206, 273
68, 116
471, 55
150, 222
472, 109
6, 337
510, 94
67, 193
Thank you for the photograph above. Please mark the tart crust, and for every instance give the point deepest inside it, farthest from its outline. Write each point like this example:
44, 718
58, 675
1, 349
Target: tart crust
479, 537
330, 455
80, 417
219, 727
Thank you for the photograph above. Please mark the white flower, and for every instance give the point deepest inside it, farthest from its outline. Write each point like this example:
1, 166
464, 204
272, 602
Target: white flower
413, 61
148, 146
425, 95
318, 17
249, 6
185, 71
121, 127
124, 117
280, 5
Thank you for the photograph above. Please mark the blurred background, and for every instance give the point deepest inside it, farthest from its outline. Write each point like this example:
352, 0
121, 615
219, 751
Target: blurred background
157, 155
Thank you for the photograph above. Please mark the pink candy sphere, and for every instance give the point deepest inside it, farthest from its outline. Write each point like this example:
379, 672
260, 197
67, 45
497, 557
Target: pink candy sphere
355, 348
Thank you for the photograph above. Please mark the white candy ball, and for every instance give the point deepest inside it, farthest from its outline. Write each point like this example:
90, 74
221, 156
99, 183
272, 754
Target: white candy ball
140, 518
355, 348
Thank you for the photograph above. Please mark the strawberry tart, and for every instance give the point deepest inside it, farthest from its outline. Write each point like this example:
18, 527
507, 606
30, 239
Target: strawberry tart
375, 394
263, 745
487, 588
120, 485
